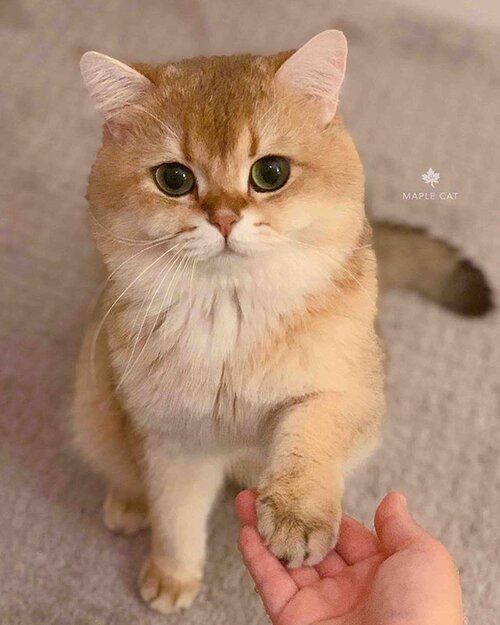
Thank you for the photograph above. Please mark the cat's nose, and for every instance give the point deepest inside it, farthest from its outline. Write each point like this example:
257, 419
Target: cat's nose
224, 221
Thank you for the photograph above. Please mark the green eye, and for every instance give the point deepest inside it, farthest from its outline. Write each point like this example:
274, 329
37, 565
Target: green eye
269, 173
174, 178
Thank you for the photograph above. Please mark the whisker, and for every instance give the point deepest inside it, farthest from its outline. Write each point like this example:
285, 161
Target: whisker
130, 258
193, 267
316, 247
128, 241
141, 308
339, 264
103, 320
161, 279
96, 298
182, 263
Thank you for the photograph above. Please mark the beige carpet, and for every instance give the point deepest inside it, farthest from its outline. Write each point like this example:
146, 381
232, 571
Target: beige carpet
419, 94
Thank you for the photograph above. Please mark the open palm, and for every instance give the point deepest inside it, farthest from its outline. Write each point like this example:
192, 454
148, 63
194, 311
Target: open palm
400, 575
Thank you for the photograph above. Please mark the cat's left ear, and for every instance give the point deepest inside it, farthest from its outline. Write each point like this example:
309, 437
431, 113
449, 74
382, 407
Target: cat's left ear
317, 70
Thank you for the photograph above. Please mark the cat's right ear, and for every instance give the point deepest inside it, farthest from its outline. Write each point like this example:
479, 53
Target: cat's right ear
112, 84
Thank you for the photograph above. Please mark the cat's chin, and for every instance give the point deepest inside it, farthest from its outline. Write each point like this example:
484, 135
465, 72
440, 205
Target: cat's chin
228, 251
228, 259
232, 249
235, 248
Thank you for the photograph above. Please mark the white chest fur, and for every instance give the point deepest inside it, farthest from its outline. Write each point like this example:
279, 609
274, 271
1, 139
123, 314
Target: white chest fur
185, 370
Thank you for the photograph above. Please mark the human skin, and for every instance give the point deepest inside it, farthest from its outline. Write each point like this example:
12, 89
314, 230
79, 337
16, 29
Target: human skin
398, 575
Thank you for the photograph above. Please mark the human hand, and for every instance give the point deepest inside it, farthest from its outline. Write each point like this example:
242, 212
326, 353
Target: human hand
400, 576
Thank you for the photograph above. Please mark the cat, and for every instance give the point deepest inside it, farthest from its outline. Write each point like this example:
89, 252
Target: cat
235, 335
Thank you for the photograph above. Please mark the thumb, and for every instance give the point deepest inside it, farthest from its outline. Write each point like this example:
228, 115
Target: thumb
395, 526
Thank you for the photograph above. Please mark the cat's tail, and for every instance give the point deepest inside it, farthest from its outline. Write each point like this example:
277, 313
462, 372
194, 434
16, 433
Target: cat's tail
409, 258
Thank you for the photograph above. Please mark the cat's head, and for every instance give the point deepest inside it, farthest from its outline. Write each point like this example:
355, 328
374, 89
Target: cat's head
228, 157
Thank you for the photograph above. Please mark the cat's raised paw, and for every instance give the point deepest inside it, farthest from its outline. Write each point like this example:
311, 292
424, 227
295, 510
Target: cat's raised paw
122, 516
299, 535
166, 592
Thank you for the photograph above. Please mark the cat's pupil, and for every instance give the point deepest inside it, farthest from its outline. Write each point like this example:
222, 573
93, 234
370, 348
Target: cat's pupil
175, 177
270, 171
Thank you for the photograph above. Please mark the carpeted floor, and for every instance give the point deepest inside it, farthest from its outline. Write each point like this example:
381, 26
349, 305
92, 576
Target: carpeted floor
419, 94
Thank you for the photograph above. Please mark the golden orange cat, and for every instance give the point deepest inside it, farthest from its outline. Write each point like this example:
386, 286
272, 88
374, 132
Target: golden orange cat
235, 333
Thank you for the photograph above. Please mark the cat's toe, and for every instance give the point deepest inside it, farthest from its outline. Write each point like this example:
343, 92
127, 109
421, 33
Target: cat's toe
166, 592
123, 516
297, 536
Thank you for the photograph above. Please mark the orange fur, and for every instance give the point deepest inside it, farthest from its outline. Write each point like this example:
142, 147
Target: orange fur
257, 357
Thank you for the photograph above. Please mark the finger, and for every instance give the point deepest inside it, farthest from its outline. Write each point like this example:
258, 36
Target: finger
245, 507
274, 584
355, 542
395, 526
360, 577
332, 565
333, 596
304, 576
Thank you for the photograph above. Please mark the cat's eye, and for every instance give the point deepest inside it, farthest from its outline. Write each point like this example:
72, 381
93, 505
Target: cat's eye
269, 173
174, 178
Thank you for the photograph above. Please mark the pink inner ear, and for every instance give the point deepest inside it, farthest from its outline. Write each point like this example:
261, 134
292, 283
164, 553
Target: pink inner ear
111, 84
318, 68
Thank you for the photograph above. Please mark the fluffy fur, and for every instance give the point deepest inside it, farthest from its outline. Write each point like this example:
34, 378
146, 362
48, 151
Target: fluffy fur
254, 356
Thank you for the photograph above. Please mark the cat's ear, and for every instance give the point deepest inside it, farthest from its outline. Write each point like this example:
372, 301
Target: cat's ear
317, 69
112, 84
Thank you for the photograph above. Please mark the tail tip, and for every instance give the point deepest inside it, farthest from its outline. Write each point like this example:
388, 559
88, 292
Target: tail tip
467, 291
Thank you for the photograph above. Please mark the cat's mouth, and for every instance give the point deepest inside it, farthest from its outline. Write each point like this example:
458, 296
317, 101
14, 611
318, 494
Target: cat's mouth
228, 250
233, 248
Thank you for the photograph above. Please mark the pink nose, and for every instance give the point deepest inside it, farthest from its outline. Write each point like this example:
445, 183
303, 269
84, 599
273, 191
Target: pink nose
224, 221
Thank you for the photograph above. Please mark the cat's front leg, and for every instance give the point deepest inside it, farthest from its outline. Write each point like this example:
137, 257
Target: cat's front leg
300, 492
181, 489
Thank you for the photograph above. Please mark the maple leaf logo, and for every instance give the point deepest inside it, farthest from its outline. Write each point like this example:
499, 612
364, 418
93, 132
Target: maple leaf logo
431, 177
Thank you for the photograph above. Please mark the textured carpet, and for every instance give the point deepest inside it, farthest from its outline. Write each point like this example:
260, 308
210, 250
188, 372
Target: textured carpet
419, 94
